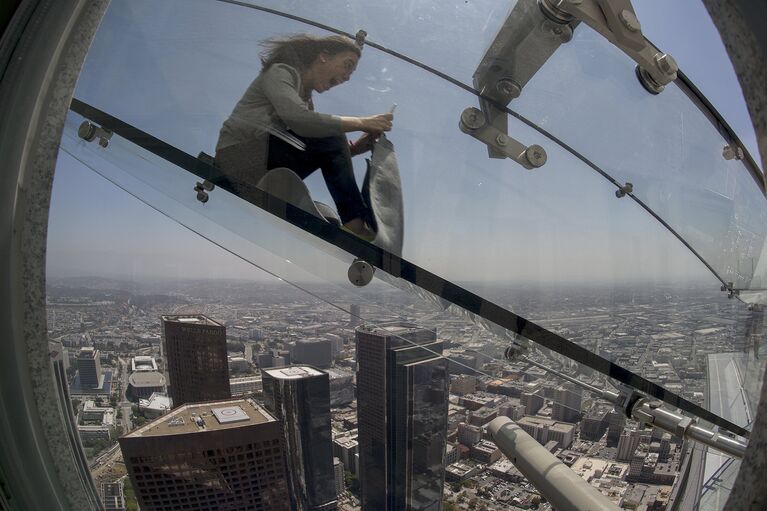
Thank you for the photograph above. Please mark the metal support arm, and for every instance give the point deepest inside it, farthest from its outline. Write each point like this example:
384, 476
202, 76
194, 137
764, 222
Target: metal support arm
616, 21
649, 412
563, 488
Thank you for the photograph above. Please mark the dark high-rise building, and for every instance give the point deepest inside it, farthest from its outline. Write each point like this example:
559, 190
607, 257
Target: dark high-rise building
595, 423
214, 455
567, 404
402, 389
89, 367
299, 397
615, 421
195, 352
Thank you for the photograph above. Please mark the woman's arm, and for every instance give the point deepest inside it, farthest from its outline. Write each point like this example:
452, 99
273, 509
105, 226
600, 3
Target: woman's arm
280, 84
373, 124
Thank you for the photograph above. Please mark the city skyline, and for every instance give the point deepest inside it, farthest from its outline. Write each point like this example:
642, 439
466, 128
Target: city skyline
274, 317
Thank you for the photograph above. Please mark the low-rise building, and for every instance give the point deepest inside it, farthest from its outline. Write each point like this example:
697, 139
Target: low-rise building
485, 452
460, 471
545, 430
245, 385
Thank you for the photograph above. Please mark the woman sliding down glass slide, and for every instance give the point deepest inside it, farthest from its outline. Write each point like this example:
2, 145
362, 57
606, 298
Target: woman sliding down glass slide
274, 124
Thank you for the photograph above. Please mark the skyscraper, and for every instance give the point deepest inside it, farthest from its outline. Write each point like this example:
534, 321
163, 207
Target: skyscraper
402, 388
89, 367
215, 455
615, 421
299, 397
628, 443
567, 404
354, 314
195, 351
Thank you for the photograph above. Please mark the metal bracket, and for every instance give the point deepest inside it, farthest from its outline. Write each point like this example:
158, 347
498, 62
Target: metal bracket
89, 132
359, 38
360, 273
731, 152
617, 22
516, 351
202, 190
473, 123
623, 190
730, 289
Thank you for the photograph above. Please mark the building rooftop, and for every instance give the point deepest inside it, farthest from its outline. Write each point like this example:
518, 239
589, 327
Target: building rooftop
202, 417
143, 363
146, 379
553, 425
192, 319
87, 352
292, 373
389, 329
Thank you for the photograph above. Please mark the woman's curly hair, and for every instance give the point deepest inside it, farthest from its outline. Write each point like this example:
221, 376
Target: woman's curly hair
301, 50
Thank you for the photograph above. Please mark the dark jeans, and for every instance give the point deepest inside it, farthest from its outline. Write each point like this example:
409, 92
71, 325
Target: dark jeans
331, 154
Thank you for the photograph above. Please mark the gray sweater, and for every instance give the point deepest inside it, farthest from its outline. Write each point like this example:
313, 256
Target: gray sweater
274, 100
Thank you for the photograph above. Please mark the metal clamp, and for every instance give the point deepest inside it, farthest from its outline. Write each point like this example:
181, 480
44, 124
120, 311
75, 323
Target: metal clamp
623, 190
359, 38
360, 273
617, 22
651, 412
732, 152
730, 289
473, 123
89, 132
202, 190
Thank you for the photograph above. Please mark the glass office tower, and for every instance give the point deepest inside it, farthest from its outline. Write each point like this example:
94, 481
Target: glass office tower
299, 396
402, 387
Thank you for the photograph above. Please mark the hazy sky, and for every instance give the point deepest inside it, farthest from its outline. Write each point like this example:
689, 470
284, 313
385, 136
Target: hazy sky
176, 69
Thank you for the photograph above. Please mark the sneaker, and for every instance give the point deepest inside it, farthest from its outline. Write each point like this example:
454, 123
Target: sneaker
369, 235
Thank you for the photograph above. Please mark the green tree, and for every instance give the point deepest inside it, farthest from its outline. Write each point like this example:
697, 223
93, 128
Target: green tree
351, 482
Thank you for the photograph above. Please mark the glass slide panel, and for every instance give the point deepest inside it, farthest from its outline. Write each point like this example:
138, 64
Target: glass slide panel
553, 244
240, 227
663, 144
474, 355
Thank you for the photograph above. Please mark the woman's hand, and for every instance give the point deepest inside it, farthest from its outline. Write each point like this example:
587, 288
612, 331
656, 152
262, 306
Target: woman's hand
377, 123
363, 144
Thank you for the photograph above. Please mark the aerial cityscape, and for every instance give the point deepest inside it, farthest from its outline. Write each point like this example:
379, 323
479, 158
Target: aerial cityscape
253, 395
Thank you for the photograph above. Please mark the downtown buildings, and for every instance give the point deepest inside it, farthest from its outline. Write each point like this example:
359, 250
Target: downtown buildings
195, 350
225, 455
402, 400
299, 397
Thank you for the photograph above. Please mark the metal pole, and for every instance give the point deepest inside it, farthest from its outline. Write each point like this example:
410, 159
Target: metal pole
556, 481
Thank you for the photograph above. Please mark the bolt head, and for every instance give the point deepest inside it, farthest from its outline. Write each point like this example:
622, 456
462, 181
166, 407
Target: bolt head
630, 21
666, 64
508, 88
502, 139
472, 118
536, 155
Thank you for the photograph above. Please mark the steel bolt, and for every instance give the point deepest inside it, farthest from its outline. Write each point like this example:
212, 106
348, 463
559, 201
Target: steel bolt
472, 118
502, 139
630, 21
536, 155
666, 64
509, 88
